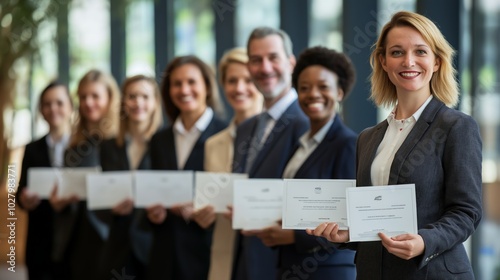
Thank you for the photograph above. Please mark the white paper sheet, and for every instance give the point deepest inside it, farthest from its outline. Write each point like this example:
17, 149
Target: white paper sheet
215, 189
41, 180
257, 204
73, 181
308, 203
162, 187
388, 209
105, 190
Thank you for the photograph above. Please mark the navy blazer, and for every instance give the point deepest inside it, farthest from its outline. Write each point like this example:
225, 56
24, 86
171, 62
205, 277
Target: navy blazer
334, 158
130, 237
181, 249
40, 219
253, 260
442, 157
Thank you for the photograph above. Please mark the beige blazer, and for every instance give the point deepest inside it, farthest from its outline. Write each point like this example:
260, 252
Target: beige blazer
218, 158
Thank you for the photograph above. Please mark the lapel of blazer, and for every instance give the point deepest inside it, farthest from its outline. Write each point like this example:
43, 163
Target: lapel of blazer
43, 147
413, 138
169, 151
319, 152
278, 131
144, 164
366, 153
121, 153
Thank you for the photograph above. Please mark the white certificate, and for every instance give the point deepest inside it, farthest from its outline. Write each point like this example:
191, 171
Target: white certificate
162, 187
41, 180
106, 190
73, 181
257, 203
308, 203
388, 209
215, 189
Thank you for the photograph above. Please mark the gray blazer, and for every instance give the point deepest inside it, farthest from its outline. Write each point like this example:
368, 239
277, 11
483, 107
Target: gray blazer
442, 156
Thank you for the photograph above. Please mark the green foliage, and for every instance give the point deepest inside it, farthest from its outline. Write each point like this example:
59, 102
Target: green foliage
19, 24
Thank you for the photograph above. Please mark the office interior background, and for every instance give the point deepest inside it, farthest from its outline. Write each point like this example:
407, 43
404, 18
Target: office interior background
127, 37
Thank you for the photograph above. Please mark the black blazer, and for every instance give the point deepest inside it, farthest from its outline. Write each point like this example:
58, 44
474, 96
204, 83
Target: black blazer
253, 260
442, 157
334, 158
40, 219
130, 236
181, 250
78, 245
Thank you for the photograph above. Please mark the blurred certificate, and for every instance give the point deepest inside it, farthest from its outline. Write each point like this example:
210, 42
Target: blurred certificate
73, 181
162, 187
257, 203
308, 203
41, 180
215, 189
388, 209
106, 190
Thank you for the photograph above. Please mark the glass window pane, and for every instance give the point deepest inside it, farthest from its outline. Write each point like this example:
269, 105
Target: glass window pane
194, 29
388, 7
326, 24
89, 37
254, 13
487, 101
44, 71
140, 38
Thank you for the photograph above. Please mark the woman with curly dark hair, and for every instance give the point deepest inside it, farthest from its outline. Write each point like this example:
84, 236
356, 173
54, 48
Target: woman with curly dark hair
322, 78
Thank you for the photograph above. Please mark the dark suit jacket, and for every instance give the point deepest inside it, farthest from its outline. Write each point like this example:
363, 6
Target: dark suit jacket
334, 158
40, 219
442, 156
181, 249
77, 244
253, 260
130, 236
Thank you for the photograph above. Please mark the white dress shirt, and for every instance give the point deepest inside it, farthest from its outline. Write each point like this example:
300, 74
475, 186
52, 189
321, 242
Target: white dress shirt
185, 139
307, 146
277, 110
56, 149
394, 137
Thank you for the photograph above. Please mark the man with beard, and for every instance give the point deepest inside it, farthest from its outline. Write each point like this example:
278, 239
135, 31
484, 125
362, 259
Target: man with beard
264, 143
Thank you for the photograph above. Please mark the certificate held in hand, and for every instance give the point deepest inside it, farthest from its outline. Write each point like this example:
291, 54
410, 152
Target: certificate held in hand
106, 190
310, 202
257, 203
41, 180
73, 181
162, 187
216, 189
388, 209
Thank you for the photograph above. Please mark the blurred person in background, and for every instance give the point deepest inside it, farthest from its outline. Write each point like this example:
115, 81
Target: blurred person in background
56, 107
182, 241
129, 243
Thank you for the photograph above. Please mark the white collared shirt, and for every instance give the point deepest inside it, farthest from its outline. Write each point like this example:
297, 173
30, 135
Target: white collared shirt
185, 139
277, 110
396, 133
307, 146
56, 149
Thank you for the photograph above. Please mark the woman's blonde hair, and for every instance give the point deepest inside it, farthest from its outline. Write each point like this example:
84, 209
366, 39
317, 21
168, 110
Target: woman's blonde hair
108, 125
444, 85
236, 55
213, 96
156, 118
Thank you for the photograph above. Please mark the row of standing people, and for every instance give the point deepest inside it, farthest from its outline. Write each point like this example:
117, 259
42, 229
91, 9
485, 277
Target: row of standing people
300, 135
